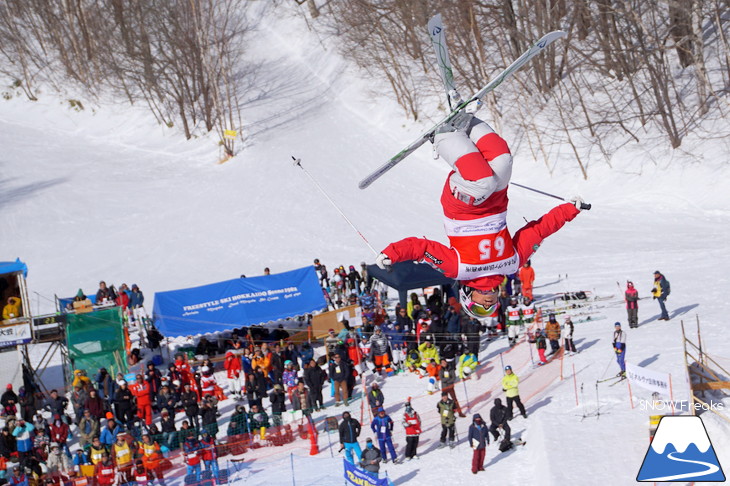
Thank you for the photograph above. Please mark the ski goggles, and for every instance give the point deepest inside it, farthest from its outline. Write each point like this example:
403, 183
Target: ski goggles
474, 309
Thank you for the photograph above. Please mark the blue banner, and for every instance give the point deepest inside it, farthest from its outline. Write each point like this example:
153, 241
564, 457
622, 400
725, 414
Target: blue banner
359, 477
238, 303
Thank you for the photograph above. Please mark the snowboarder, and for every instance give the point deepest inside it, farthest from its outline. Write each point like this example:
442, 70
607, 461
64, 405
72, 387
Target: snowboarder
632, 304
474, 201
448, 420
510, 388
412, 424
660, 292
478, 440
619, 347
382, 426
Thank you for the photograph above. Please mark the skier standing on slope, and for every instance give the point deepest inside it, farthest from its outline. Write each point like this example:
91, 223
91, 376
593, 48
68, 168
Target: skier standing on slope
619, 347
632, 304
474, 201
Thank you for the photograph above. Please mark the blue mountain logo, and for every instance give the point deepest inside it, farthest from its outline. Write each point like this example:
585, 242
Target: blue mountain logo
681, 451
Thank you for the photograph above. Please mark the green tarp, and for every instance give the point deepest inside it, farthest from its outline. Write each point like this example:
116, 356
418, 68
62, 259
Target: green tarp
96, 340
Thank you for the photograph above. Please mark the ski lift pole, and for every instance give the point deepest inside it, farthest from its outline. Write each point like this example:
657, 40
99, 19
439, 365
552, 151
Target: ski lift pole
298, 163
582, 206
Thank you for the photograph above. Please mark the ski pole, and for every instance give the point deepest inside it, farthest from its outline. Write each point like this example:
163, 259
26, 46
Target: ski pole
466, 394
582, 206
298, 163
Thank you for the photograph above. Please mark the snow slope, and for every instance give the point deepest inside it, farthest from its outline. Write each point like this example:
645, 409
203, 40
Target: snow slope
107, 194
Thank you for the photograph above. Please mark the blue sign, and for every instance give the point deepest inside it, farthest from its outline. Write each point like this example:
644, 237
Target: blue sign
681, 451
238, 303
359, 477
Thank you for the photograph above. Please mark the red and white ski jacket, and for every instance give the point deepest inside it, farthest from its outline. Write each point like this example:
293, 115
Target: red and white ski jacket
208, 384
482, 249
412, 423
232, 365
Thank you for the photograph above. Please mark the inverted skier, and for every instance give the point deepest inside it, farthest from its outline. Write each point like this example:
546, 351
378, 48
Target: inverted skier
474, 201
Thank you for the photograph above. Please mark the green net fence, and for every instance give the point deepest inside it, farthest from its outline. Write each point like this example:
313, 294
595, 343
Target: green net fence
96, 340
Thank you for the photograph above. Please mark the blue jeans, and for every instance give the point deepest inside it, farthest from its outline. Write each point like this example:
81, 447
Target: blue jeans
665, 314
212, 466
387, 441
194, 470
353, 448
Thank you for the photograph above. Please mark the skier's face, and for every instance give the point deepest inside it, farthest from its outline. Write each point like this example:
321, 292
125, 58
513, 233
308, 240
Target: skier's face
486, 300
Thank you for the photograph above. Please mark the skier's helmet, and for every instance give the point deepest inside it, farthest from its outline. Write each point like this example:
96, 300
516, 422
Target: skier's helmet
477, 311
466, 370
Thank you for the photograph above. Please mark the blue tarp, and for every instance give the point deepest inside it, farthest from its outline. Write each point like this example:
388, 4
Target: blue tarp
12, 267
238, 303
63, 302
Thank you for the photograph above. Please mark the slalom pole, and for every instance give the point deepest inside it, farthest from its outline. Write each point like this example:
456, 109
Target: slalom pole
582, 206
598, 404
575, 385
298, 163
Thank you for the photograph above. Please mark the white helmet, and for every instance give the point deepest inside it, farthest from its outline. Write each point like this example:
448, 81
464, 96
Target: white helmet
477, 311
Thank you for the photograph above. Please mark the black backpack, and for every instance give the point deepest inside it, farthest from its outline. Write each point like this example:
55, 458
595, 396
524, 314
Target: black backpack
505, 445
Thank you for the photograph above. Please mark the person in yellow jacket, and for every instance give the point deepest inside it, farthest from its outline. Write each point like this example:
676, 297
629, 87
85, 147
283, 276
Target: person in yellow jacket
123, 457
80, 379
12, 309
467, 365
428, 352
510, 384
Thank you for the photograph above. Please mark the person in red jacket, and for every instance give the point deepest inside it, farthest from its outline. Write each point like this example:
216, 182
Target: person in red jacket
233, 367
632, 304
58, 432
141, 390
474, 201
104, 471
527, 276
412, 423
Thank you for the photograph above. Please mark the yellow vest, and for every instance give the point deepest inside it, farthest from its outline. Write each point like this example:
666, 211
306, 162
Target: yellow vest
509, 383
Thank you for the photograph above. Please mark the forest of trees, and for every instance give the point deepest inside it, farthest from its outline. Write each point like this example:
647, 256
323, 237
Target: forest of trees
626, 66
183, 59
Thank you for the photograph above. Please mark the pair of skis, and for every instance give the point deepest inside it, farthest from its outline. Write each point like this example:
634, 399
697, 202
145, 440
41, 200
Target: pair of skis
436, 30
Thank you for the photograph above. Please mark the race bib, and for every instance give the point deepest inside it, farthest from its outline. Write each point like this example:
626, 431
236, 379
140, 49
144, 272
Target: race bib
446, 413
337, 369
446, 374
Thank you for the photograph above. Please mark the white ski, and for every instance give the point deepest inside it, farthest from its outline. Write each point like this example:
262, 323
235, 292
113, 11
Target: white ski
438, 40
533, 51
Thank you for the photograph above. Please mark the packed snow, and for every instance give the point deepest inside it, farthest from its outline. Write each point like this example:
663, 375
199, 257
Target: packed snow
105, 193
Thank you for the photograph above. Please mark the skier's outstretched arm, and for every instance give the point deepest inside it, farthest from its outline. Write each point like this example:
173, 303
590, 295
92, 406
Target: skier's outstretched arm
440, 257
530, 237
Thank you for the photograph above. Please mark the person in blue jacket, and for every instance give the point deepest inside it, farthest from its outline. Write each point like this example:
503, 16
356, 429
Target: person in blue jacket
382, 426
478, 440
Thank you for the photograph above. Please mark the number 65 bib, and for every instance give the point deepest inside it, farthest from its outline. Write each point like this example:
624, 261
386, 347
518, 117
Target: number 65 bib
484, 246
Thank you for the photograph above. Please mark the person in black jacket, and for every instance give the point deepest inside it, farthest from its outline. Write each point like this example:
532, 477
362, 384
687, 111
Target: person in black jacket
340, 372
169, 431
278, 404
124, 403
209, 416
349, 430
9, 445
315, 378
277, 364
499, 415
478, 440
405, 322
189, 401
